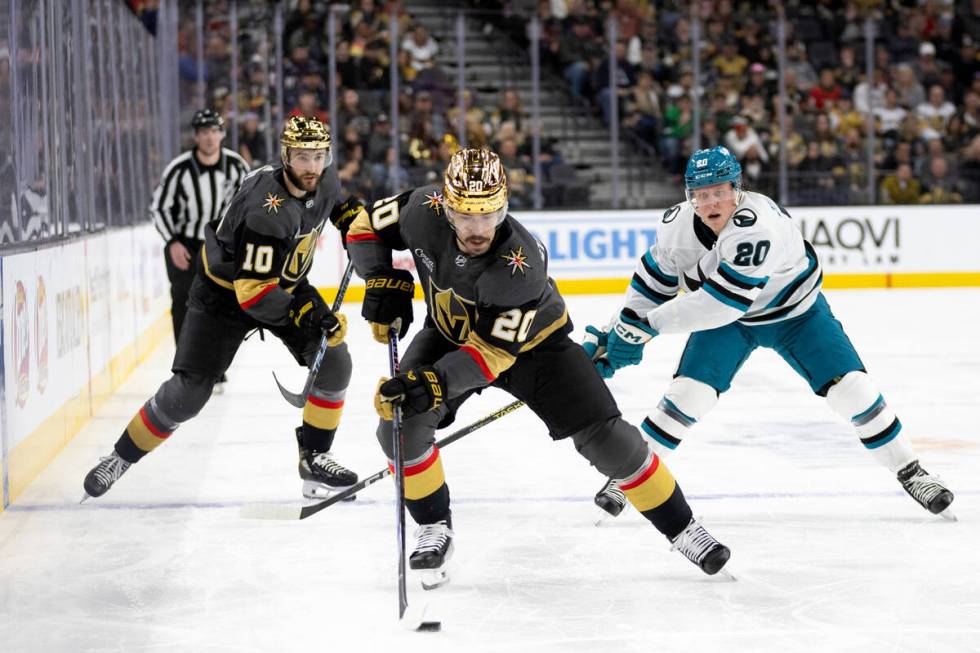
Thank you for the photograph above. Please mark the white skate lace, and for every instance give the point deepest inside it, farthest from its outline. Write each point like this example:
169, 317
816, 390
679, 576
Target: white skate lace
924, 487
432, 537
694, 542
324, 460
613, 492
110, 469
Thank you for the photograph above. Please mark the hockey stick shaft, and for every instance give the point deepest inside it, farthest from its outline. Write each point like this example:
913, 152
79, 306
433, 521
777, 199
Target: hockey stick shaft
398, 454
274, 511
299, 400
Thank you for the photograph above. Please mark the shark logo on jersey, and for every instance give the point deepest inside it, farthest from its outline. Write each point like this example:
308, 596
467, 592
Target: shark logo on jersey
671, 213
744, 217
517, 261
453, 315
272, 203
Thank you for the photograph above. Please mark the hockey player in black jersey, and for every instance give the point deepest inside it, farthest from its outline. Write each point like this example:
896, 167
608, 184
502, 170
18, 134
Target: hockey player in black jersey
494, 317
252, 274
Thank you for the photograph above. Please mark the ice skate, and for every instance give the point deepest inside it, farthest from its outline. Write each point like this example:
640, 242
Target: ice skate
929, 491
322, 475
611, 499
432, 553
100, 479
701, 548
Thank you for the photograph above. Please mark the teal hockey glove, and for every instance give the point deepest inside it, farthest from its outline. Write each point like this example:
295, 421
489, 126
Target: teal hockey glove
629, 333
594, 344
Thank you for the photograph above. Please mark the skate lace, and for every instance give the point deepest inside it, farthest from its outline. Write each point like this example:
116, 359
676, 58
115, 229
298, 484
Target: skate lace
924, 487
325, 461
613, 492
694, 542
432, 537
110, 469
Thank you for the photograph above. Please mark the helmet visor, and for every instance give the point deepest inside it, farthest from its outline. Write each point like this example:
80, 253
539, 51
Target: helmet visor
707, 195
308, 157
476, 221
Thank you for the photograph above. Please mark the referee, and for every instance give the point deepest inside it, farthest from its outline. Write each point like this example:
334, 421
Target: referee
194, 189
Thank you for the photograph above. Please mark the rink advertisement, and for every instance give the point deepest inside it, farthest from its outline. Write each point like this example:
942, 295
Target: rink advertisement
77, 318
858, 246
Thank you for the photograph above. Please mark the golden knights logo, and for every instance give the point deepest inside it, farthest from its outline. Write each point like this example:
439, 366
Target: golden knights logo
434, 201
272, 202
454, 316
301, 258
517, 261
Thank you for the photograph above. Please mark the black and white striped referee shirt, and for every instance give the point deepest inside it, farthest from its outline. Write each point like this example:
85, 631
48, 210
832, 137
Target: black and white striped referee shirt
191, 195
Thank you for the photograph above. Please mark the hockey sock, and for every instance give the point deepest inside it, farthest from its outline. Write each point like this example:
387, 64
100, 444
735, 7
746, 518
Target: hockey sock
148, 429
426, 492
685, 402
856, 399
321, 417
656, 495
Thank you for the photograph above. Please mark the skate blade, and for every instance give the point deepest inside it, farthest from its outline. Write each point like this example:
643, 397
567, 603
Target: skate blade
724, 573
433, 578
84, 497
318, 491
948, 515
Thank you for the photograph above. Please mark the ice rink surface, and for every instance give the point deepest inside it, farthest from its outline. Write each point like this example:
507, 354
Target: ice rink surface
829, 553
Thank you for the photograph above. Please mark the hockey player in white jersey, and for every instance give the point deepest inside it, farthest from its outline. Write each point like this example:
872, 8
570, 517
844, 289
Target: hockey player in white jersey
749, 280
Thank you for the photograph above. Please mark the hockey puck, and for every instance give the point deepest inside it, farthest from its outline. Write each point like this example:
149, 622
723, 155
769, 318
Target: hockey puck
429, 627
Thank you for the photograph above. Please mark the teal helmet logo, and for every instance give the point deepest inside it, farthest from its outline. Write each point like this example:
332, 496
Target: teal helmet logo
713, 166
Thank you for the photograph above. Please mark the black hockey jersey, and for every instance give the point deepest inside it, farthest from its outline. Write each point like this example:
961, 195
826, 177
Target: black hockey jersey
263, 246
495, 306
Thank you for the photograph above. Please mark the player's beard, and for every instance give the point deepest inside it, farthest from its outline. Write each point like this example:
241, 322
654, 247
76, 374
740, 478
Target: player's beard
307, 185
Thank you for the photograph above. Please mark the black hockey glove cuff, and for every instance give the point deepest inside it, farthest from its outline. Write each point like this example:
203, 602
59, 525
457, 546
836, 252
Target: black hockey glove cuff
418, 391
344, 214
387, 300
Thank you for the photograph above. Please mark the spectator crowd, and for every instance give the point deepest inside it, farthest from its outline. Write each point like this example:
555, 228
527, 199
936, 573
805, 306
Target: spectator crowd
923, 96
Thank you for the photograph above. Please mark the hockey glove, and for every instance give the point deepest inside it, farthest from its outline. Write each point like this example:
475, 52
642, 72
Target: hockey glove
416, 391
626, 339
315, 318
594, 344
388, 302
344, 214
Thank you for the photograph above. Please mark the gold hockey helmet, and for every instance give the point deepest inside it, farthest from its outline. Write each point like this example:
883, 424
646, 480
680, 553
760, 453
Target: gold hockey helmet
475, 182
305, 133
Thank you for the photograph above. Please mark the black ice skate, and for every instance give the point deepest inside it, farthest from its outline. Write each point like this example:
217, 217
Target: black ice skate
103, 475
610, 498
701, 548
927, 490
432, 552
322, 475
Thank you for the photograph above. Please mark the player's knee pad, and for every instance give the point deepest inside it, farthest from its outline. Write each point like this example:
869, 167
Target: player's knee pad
683, 405
418, 434
183, 396
335, 369
612, 446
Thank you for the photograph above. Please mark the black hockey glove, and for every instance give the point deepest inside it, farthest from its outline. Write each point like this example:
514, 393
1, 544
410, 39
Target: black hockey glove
388, 302
344, 214
315, 317
417, 391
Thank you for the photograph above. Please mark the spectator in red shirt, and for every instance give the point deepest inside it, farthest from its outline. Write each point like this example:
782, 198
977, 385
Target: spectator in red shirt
827, 89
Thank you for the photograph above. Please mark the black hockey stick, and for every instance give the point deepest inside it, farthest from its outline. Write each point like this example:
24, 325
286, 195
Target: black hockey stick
398, 456
299, 400
277, 511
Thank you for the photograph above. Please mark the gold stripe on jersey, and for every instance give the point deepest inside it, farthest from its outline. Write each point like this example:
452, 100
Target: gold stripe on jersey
545, 332
361, 226
497, 360
249, 291
213, 277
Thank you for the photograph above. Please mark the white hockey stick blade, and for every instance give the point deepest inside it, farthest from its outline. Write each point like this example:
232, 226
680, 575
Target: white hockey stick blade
417, 618
276, 511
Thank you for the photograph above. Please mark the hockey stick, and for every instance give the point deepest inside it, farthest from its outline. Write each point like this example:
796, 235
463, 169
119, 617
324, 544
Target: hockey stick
299, 400
276, 511
398, 456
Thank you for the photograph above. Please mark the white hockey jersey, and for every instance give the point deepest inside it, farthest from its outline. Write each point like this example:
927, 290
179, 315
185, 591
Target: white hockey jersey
758, 270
